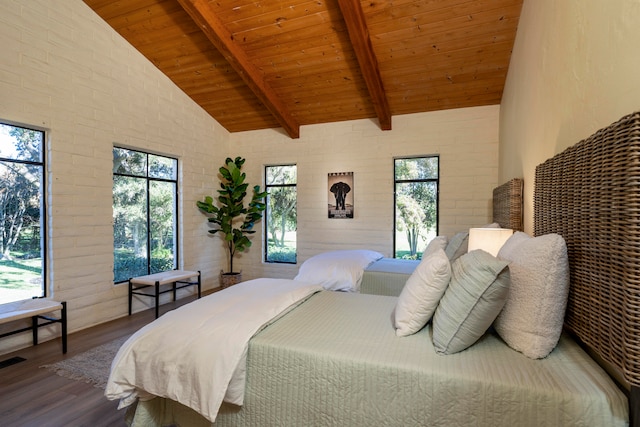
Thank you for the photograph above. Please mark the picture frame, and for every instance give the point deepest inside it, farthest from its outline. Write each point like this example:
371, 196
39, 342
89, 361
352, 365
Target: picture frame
340, 198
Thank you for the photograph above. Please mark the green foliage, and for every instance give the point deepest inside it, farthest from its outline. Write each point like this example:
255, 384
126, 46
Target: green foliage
408, 255
230, 216
21, 274
128, 264
20, 197
410, 220
281, 253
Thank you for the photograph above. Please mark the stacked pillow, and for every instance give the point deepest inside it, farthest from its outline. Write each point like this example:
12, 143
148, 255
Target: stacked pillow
459, 243
466, 296
523, 293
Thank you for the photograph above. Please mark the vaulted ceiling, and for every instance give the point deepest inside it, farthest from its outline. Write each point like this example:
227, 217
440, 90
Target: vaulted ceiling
259, 64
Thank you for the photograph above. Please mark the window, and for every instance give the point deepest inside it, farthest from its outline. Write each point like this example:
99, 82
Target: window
145, 218
22, 213
281, 215
416, 182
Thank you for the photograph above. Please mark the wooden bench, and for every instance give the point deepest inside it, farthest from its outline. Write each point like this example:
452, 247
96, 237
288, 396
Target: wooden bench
158, 279
35, 309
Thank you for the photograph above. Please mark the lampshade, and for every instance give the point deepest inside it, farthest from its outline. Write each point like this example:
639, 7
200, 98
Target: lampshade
488, 239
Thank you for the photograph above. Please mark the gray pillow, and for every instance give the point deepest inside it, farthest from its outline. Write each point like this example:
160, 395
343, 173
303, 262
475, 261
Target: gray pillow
476, 294
457, 246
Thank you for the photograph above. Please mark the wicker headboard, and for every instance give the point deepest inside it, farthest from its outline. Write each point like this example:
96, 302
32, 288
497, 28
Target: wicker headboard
507, 204
590, 194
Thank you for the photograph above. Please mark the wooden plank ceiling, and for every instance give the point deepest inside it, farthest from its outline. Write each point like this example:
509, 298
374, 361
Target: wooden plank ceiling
259, 64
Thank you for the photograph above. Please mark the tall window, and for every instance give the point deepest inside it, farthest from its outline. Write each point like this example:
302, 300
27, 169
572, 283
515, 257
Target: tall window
22, 213
416, 204
281, 215
145, 194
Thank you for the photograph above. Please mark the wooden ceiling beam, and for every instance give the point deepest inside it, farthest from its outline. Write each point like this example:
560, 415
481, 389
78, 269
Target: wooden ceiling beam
222, 39
359, 35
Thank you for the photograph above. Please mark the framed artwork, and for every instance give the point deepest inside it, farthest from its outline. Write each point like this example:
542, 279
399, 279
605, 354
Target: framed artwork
340, 194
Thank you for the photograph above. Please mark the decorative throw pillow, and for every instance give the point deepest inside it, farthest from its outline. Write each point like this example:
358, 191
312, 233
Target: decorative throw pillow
476, 294
532, 318
421, 294
457, 246
438, 242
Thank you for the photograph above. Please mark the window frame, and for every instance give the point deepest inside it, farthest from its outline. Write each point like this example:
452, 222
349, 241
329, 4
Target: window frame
148, 179
266, 213
406, 181
44, 241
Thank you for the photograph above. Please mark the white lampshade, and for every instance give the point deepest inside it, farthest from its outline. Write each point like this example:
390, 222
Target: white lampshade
488, 239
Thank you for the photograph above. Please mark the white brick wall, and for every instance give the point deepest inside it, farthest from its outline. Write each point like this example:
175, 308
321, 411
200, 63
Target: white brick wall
465, 139
63, 69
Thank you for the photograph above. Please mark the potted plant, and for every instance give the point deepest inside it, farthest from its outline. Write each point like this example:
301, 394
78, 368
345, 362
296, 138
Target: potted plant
231, 217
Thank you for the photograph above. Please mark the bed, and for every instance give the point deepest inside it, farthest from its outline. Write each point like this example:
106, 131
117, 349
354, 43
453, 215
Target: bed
334, 358
387, 276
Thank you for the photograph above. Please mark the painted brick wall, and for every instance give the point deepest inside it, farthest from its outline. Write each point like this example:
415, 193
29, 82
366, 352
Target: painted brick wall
465, 139
64, 70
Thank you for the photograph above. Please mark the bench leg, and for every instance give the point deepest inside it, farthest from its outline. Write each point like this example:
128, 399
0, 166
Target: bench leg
63, 319
130, 296
158, 297
199, 285
34, 329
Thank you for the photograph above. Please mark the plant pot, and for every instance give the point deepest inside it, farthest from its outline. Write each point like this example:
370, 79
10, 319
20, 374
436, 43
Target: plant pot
229, 279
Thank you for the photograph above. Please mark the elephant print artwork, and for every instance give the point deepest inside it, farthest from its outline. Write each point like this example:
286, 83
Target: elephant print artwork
340, 195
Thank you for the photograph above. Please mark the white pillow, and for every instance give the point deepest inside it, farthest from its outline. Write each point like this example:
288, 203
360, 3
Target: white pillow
531, 320
422, 292
438, 242
476, 294
337, 270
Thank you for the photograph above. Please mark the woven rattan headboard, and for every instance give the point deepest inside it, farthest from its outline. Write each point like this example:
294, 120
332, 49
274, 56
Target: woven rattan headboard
507, 204
590, 194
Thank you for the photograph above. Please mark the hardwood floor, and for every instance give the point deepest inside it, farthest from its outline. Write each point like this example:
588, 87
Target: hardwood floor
31, 396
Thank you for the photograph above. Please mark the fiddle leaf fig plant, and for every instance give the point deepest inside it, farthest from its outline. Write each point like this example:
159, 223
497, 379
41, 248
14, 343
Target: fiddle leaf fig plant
230, 216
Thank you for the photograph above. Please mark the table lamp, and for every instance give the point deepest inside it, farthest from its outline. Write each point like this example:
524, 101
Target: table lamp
488, 239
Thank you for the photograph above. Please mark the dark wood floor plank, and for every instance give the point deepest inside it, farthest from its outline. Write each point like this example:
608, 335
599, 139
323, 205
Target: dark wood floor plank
34, 396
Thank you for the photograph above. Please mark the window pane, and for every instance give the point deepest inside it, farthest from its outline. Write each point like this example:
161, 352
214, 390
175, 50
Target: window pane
145, 242
415, 218
19, 143
129, 227
129, 162
281, 224
416, 168
281, 175
162, 206
21, 249
163, 167
416, 205
281, 214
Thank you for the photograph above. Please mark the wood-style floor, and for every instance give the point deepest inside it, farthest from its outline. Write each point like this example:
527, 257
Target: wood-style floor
32, 396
